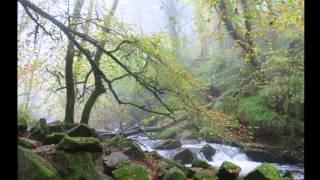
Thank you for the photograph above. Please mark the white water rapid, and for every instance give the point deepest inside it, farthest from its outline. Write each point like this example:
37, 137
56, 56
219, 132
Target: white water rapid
223, 153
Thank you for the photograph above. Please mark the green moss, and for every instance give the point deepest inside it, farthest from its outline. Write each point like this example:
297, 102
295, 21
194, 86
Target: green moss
174, 163
27, 143
269, 171
22, 122
228, 165
202, 176
33, 167
201, 164
114, 141
167, 133
257, 114
73, 166
130, 172
54, 138
153, 155
174, 174
76, 144
150, 120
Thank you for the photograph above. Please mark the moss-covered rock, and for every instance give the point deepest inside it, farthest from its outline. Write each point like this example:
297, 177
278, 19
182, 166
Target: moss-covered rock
259, 155
113, 160
27, 143
174, 173
56, 126
81, 130
53, 138
131, 172
80, 144
129, 147
132, 149
71, 166
208, 152
201, 164
228, 171
203, 176
34, 167
184, 156
168, 144
166, 164
153, 155
265, 171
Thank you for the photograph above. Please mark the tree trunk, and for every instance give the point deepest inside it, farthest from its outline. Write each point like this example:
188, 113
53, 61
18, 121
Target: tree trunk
245, 43
70, 92
88, 106
99, 88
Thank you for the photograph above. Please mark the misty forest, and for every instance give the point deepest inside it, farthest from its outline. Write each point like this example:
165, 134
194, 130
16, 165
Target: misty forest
160, 89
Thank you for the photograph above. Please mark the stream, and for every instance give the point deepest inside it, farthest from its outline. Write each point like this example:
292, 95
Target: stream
223, 153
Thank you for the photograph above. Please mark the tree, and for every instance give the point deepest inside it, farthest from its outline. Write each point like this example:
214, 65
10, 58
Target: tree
99, 76
99, 88
70, 91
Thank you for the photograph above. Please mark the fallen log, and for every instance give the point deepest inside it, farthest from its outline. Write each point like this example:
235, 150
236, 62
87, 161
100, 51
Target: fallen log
141, 129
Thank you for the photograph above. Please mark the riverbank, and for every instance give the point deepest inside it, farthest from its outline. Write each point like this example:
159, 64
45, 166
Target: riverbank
80, 153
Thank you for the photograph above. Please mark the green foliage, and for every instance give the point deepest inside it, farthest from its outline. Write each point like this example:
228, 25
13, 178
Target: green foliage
130, 172
25, 117
168, 133
258, 114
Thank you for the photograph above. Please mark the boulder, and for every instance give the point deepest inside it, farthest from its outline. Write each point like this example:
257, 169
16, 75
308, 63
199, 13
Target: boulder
174, 173
78, 165
201, 164
287, 176
53, 138
79, 144
81, 130
168, 144
228, 171
265, 171
27, 143
208, 152
113, 160
132, 149
56, 126
259, 155
184, 155
167, 164
153, 155
33, 166
127, 172
234, 144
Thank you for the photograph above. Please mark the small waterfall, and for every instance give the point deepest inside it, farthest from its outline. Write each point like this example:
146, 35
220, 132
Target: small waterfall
223, 153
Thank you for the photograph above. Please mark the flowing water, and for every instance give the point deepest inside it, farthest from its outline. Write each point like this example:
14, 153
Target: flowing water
223, 153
